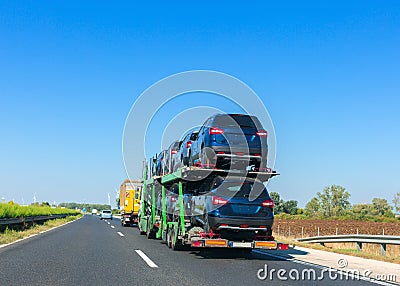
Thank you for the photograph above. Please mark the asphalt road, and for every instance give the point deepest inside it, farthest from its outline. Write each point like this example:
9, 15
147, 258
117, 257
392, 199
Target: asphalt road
94, 252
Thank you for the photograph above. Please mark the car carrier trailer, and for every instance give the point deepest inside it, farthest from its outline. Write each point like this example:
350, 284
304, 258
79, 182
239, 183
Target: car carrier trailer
177, 230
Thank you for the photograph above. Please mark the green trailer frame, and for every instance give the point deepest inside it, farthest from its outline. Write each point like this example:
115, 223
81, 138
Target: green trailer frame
171, 231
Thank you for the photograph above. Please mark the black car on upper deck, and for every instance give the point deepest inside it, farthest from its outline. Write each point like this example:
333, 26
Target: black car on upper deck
231, 141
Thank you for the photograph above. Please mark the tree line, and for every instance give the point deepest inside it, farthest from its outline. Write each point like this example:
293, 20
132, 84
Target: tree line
334, 201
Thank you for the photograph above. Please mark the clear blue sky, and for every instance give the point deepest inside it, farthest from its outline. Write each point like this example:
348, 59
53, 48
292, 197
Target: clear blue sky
328, 72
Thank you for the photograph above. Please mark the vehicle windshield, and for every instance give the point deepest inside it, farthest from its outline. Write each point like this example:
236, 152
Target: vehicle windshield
106, 212
248, 189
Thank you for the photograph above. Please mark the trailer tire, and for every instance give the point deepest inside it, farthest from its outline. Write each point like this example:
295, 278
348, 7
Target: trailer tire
149, 232
174, 242
206, 225
169, 244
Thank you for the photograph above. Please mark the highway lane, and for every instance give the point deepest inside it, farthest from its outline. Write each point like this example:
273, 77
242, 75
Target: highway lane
94, 252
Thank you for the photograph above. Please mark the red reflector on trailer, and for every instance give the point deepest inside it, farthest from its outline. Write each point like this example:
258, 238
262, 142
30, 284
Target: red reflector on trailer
197, 244
283, 246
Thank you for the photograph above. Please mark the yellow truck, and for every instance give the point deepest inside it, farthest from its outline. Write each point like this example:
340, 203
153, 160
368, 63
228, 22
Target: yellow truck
129, 201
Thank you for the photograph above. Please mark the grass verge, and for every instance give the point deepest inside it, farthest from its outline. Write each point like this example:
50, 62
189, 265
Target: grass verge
9, 236
352, 252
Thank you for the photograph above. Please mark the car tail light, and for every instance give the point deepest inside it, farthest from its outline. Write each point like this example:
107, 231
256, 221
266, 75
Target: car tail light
262, 133
173, 152
216, 130
220, 153
257, 155
268, 203
172, 199
219, 201
188, 144
244, 225
223, 224
239, 153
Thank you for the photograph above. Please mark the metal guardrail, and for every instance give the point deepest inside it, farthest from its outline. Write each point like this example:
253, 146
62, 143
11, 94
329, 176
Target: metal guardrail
383, 240
29, 219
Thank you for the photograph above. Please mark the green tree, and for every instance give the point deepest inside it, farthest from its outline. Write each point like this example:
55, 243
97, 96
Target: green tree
312, 207
290, 207
362, 209
278, 202
396, 202
381, 207
334, 200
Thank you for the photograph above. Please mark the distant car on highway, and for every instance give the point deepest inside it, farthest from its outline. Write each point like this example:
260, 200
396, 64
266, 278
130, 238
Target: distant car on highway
105, 214
94, 211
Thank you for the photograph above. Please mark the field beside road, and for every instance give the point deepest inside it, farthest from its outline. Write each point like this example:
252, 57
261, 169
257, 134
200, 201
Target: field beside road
290, 229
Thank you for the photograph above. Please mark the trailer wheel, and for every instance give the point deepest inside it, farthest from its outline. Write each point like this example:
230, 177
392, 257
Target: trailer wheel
169, 237
149, 232
206, 225
174, 242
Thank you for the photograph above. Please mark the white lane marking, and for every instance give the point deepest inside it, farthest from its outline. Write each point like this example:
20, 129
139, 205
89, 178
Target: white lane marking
368, 279
108, 223
120, 233
146, 259
112, 226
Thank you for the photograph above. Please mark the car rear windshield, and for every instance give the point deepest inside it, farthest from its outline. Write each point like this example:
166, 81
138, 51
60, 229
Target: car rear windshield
106, 212
249, 189
244, 121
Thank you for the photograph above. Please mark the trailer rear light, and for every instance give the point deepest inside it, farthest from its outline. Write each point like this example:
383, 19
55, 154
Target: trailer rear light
216, 130
173, 152
283, 246
262, 133
188, 144
268, 203
197, 243
219, 201
244, 225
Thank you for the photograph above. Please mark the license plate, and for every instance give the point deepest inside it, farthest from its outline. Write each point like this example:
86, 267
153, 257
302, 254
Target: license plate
240, 244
